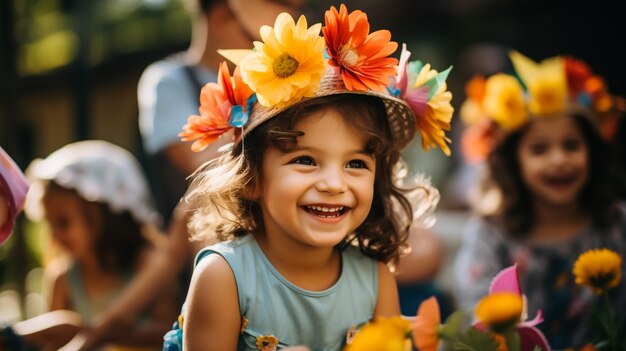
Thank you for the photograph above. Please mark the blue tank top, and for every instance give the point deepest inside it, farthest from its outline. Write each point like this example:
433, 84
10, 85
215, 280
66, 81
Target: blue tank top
272, 305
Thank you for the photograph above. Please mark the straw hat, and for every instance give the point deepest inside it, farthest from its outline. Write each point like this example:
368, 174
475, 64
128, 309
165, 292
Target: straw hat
294, 63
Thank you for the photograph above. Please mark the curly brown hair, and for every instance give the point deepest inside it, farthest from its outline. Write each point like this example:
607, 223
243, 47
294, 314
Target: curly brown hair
597, 196
221, 190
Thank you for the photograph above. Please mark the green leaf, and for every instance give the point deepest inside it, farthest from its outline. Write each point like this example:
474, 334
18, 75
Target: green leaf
435, 82
475, 340
452, 327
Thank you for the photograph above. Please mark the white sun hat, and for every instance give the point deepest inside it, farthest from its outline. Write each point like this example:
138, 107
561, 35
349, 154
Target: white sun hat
100, 172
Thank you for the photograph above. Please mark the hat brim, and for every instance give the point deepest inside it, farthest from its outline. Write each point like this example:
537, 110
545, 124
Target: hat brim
401, 119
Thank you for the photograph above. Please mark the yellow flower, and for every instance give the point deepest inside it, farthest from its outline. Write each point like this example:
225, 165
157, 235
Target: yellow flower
504, 101
383, 334
599, 269
181, 320
546, 83
288, 64
436, 118
500, 311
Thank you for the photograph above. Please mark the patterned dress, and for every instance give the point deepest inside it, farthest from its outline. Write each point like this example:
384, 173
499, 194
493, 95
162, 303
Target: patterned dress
545, 272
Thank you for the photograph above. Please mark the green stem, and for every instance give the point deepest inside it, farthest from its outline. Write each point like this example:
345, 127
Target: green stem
610, 320
513, 340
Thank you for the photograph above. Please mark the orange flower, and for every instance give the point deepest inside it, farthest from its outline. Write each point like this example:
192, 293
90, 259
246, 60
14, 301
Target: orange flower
266, 343
362, 57
425, 325
475, 88
216, 103
477, 141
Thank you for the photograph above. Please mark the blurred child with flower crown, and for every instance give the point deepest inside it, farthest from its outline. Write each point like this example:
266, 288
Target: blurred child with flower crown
311, 202
95, 201
552, 177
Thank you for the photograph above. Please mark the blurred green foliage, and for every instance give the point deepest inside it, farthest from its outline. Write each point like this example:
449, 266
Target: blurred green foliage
48, 31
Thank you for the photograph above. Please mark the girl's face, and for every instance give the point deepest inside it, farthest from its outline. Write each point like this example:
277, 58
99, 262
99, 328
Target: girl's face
321, 190
68, 223
553, 156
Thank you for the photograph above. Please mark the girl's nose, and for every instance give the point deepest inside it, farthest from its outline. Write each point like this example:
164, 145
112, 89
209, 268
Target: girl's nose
332, 180
558, 156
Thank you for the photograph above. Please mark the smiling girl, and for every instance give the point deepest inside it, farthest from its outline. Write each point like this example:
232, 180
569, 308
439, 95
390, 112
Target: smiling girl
554, 174
308, 204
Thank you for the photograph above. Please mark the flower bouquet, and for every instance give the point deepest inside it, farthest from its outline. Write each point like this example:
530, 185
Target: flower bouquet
500, 324
501, 319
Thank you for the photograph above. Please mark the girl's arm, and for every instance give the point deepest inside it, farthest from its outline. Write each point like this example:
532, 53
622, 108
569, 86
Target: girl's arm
59, 300
51, 330
388, 303
212, 321
162, 312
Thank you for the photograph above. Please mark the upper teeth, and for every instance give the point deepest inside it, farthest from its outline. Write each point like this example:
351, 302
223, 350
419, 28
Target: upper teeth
326, 209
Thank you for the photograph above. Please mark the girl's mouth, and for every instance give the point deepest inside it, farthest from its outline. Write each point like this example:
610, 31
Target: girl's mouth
560, 181
326, 211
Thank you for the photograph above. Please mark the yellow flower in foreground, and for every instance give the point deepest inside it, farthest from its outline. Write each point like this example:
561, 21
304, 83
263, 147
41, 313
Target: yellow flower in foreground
436, 118
599, 269
288, 64
499, 311
382, 334
504, 101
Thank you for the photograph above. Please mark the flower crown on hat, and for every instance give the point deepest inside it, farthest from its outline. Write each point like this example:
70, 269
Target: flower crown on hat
536, 90
293, 63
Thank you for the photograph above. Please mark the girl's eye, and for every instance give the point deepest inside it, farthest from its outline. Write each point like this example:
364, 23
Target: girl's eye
572, 145
304, 160
538, 149
356, 164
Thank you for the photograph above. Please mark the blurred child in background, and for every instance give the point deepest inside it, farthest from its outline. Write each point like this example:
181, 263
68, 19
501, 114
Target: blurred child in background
95, 201
550, 189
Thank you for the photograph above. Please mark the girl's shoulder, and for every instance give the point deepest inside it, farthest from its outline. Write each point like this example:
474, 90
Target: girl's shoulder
234, 249
58, 269
353, 252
